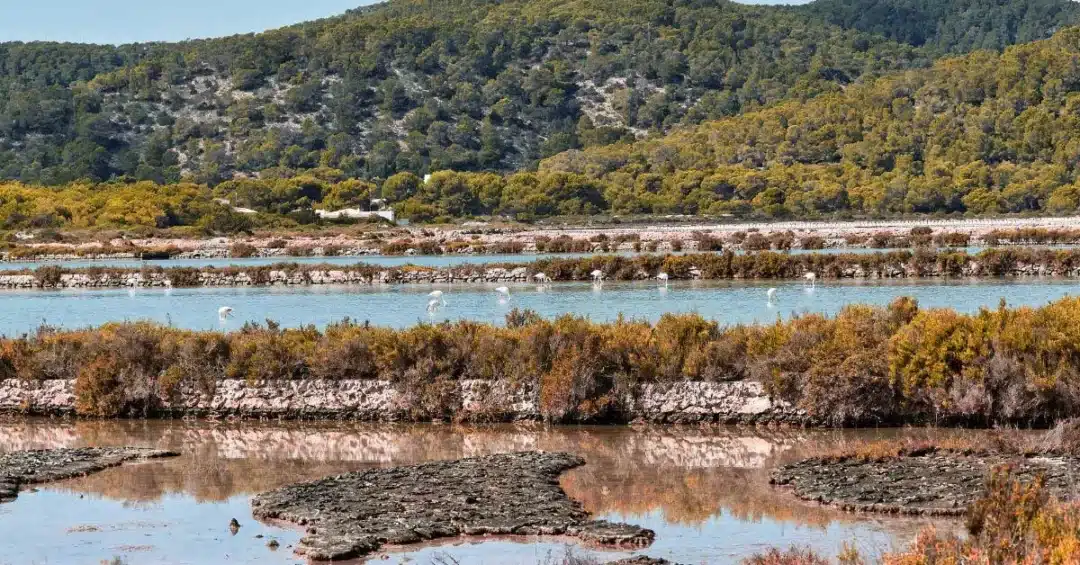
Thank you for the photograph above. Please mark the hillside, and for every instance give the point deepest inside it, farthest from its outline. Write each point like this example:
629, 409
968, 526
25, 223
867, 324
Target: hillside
982, 134
435, 84
950, 26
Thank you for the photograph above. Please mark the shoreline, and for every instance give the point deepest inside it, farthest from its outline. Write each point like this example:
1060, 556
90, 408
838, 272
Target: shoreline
867, 365
495, 239
738, 402
765, 265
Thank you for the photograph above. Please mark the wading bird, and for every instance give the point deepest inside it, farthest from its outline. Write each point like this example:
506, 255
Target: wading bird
811, 278
598, 276
663, 278
772, 295
502, 290
541, 279
437, 296
433, 306
224, 312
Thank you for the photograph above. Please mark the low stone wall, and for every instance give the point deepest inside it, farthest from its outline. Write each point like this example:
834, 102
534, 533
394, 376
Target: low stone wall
347, 276
370, 400
276, 277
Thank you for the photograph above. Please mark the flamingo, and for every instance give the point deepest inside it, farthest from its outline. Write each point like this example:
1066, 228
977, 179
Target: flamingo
433, 306
662, 277
224, 312
541, 278
598, 276
772, 295
437, 296
695, 272
811, 278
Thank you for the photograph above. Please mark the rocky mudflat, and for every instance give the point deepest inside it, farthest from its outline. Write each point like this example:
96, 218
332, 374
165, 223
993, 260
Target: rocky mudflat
20, 468
927, 482
353, 515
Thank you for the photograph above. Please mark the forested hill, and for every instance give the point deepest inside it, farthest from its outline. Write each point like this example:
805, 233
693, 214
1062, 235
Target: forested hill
950, 26
423, 85
982, 133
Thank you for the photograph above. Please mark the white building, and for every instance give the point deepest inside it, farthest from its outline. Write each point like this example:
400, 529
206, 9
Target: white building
354, 214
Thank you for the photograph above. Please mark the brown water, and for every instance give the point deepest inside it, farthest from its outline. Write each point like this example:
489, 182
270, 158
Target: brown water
703, 490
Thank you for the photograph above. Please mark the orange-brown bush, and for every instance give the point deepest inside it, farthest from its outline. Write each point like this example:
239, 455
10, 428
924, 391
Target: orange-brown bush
1028, 236
865, 365
506, 247
565, 244
242, 250
793, 556
1014, 522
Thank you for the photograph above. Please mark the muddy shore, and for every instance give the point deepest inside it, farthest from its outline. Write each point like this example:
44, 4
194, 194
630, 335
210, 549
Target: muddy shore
20, 468
353, 515
927, 483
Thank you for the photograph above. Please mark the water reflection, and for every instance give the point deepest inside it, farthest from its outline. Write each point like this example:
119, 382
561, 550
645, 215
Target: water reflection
704, 490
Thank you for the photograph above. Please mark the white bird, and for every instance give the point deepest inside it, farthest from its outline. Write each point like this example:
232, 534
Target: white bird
695, 272
437, 296
503, 291
433, 306
541, 278
598, 276
811, 278
224, 312
772, 295
662, 277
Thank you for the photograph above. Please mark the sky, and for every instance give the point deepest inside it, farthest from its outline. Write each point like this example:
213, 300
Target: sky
129, 21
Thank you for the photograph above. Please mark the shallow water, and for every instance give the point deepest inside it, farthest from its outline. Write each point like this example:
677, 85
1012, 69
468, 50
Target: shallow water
404, 305
703, 490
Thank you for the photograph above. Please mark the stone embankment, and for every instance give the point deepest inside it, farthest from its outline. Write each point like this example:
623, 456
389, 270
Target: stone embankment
367, 275
743, 402
261, 277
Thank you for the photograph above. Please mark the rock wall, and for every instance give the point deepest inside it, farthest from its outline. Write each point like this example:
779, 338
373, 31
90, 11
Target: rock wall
257, 277
365, 275
370, 400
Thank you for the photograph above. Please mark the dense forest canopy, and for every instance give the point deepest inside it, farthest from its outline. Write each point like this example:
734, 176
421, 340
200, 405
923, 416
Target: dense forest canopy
952, 26
628, 106
983, 133
424, 85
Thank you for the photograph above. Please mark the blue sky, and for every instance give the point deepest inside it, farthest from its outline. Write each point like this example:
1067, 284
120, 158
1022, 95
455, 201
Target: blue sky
127, 21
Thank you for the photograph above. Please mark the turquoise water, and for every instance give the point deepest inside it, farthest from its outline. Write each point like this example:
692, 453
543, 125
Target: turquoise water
405, 305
